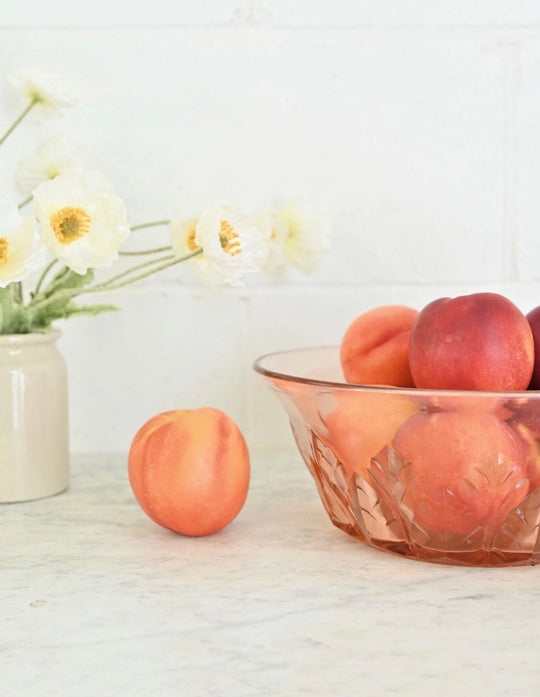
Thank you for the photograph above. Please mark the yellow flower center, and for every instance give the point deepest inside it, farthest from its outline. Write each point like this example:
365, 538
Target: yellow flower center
191, 244
70, 224
229, 239
4, 251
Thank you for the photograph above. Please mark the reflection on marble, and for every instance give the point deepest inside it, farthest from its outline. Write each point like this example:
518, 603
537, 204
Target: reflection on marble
98, 600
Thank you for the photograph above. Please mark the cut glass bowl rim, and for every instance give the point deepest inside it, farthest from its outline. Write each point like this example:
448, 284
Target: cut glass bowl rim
296, 378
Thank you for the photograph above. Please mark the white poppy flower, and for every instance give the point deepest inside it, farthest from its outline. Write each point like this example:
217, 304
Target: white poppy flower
294, 235
182, 236
21, 248
231, 242
50, 88
54, 156
83, 222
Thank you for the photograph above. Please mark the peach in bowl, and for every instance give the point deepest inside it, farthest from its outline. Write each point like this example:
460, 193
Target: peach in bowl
437, 475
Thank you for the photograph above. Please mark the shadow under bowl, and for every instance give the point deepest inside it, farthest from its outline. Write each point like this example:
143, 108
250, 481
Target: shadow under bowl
444, 476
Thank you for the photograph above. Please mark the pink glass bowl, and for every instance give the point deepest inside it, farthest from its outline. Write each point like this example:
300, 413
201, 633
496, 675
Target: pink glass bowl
451, 477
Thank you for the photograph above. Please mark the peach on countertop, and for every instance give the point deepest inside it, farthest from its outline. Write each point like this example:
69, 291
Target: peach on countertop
189, 470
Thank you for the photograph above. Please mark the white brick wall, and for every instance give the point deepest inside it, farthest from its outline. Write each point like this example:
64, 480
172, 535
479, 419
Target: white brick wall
415, 126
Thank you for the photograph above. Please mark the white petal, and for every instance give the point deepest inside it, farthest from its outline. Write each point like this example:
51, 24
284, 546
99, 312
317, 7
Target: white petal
54, 156
9, 215
88, 194
231, 242
182, 236
25, 251
302, 236
54, 88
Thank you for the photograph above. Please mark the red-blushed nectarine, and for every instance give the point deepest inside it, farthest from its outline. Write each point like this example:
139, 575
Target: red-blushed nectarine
480, 341
468, 470
375, 347
533, 317
189, 470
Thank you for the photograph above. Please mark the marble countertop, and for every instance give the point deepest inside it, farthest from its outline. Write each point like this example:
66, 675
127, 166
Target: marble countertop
98, 600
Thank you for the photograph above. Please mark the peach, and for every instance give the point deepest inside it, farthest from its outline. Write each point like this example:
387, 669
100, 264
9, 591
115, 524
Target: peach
480, 341
375, 347
468, 470
189, 470
533, 317
362, 424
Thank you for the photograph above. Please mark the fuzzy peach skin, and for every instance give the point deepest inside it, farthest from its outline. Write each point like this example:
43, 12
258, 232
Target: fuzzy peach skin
375, 347
189, 470
362, 424
468, 470
480, 341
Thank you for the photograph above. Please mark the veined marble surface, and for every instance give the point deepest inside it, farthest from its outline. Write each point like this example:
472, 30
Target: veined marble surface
97, 601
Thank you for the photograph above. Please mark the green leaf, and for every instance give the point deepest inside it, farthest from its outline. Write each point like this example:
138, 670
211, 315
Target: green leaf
13, 317
74, 280
56, 300
66, 279
61, 306
74, 310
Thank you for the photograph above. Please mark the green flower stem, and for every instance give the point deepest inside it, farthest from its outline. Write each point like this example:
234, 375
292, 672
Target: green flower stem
24, 203
38, 305
154, 223
59, 276
17, 292
144, 265
156, 250
43, 275
57, 280
108, 285
52, 289
19, 118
